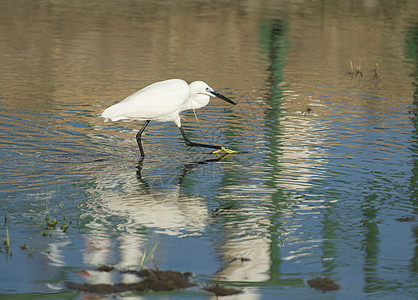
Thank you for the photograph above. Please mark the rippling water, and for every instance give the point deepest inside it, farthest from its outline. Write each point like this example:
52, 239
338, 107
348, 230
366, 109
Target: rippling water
326, 167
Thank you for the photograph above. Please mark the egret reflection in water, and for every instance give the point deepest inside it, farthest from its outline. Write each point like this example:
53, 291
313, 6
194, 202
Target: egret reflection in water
140, 204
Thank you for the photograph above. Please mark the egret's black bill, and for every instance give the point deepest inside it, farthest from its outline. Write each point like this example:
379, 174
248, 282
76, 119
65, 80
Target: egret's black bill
220, 96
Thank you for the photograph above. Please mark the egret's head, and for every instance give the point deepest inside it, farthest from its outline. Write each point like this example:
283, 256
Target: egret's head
200, 87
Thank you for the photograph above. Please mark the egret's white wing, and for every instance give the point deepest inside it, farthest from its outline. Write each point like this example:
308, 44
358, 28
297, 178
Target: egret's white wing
159, 101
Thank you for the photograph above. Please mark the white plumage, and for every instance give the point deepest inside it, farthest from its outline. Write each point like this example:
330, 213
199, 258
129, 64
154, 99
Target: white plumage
164, 101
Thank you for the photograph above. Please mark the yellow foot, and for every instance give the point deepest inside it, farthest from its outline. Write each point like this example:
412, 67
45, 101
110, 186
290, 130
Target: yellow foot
226, 150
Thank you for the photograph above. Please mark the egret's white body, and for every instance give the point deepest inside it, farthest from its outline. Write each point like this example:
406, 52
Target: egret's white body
160, 101
164, 101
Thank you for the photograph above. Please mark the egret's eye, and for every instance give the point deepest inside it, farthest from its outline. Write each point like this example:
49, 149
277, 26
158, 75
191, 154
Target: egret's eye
208, 89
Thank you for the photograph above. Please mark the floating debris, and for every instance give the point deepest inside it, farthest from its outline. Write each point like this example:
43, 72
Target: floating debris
219, 290
155, 280
105, 268
406, 219
242, 259
324, 284
307, 111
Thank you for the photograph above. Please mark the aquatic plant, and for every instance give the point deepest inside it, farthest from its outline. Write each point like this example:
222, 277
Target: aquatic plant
358, 70
6, 240
146, 257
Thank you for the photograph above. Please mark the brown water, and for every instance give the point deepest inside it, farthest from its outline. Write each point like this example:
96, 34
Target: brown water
327, 160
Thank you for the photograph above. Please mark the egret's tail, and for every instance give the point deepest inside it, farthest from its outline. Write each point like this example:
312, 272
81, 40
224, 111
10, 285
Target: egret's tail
112, 113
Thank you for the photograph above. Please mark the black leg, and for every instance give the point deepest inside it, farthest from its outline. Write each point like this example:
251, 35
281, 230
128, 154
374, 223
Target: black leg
138, 139
190, 143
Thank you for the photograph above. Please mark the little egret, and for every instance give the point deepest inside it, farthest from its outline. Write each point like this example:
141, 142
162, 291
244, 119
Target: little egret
164, 101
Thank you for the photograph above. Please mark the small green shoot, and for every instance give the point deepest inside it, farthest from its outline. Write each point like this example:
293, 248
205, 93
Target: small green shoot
51, 225
64, 227
351, 67
358, 70
6, 241
146, 257
376, 64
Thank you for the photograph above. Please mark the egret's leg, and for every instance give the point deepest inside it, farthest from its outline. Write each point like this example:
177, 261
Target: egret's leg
190, 143
138, 138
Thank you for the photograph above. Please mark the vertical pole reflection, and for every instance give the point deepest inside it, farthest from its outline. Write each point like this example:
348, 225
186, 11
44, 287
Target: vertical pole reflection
370, 242
261, 253
412, 53
273, 34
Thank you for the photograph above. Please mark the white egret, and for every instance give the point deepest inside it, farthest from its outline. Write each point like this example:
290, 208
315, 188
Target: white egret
164, 101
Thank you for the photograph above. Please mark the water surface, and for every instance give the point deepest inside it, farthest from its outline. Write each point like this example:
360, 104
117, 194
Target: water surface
327, 155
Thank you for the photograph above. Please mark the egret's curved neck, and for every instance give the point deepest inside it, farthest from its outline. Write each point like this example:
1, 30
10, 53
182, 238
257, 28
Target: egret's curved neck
196, 101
